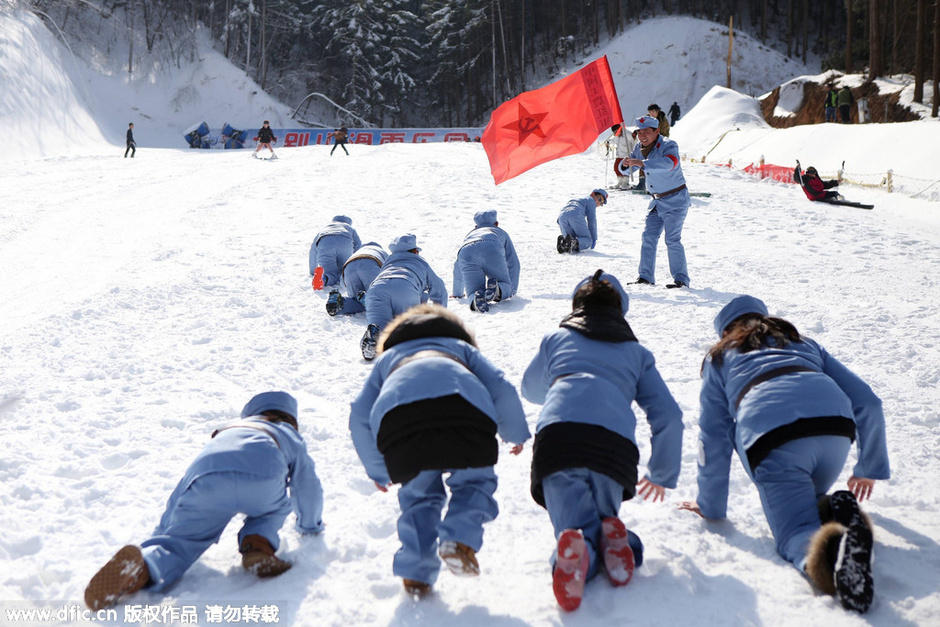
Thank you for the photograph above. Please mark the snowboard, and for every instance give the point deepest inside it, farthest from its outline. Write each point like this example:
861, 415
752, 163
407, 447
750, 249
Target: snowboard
847, 203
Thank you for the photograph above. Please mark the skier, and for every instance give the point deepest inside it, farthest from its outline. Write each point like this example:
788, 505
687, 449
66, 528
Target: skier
246, 468
813, 186
791, 411
622, 142
405, 280
674, 113
264, 138
340, 136
586, 376
357, 273
330, 249
659, 157
487, 267
129, 140
578, 222
433, 404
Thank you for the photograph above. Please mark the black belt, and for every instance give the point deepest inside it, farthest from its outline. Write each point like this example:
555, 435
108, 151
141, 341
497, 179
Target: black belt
767, 376
669, 193
425, 354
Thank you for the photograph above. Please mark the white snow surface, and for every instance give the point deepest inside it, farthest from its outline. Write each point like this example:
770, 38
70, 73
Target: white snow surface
143, 301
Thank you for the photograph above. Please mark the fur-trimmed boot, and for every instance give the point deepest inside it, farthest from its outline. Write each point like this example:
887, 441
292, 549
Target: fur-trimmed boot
460, 558
124, 574
839, 563
258, 557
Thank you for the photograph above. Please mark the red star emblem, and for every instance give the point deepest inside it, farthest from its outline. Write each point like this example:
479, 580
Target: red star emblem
527, 124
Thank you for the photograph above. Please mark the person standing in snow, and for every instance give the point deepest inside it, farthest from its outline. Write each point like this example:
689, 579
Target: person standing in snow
404, 281
674, 113
623, 142
578, 222
586, 376
813, 186
845, 100
246, 468
265, 137
357, 274
330, 249
659, 157
340, 136
830, 104
129, 141
433, 405
487, 267
660, 116
791, 411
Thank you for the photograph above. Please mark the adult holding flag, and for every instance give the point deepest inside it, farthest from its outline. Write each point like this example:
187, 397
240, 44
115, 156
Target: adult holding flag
659, 157
557, 120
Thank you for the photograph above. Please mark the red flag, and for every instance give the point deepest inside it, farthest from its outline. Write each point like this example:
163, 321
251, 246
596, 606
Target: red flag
560, 119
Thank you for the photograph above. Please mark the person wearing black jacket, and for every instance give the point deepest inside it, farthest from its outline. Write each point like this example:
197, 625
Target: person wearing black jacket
131, 144
265, 138
340, 136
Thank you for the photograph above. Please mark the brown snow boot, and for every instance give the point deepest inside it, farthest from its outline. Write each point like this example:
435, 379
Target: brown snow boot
415, 588
258, 557
460, 558
822, 554
124, 574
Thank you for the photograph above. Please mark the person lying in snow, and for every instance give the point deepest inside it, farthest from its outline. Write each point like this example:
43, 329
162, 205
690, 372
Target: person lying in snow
814, 187
791, 411
586, 376
433, 405
357, 274
246, 468
330, 249
487, 266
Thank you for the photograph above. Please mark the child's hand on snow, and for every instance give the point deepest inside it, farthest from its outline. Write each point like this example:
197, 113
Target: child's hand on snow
691, 506
647, 489
516, 449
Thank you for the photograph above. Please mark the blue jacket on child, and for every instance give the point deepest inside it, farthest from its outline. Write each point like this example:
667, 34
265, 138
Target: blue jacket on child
819, 388
332, 247
246, 468
358, 273
405, 280
578, 218
486, 252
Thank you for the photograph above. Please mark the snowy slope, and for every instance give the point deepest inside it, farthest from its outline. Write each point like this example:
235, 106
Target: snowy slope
143, 301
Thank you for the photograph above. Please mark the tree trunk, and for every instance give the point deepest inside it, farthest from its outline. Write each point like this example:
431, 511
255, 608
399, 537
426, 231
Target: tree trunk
936, 58
263, 61
849, 18
919, 51
875, 58
763, 21
790, 28
805, 24
129, 14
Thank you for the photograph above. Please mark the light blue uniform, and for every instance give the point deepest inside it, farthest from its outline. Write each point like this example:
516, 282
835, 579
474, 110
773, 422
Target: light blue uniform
422, 498
332, 247
796, 473
579, 219
486, 252
241, 470
577, 379
358, 272
404, 281
663, 174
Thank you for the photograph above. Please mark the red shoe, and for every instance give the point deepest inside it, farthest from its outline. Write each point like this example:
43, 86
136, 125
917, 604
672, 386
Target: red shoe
571, 567
618, 556
318, 278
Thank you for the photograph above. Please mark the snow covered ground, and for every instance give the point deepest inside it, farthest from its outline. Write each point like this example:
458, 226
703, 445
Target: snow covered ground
143, 301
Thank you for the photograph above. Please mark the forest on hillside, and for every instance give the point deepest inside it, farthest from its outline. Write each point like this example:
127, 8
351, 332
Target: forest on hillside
450, 62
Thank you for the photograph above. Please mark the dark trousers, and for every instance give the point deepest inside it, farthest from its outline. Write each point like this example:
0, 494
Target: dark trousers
341, 144
132, 147
845, 113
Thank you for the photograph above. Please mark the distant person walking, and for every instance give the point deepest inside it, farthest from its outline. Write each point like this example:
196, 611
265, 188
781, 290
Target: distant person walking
845, 100
831, 102
265, 137
674, 113
131, 144
657, 113
340, 136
